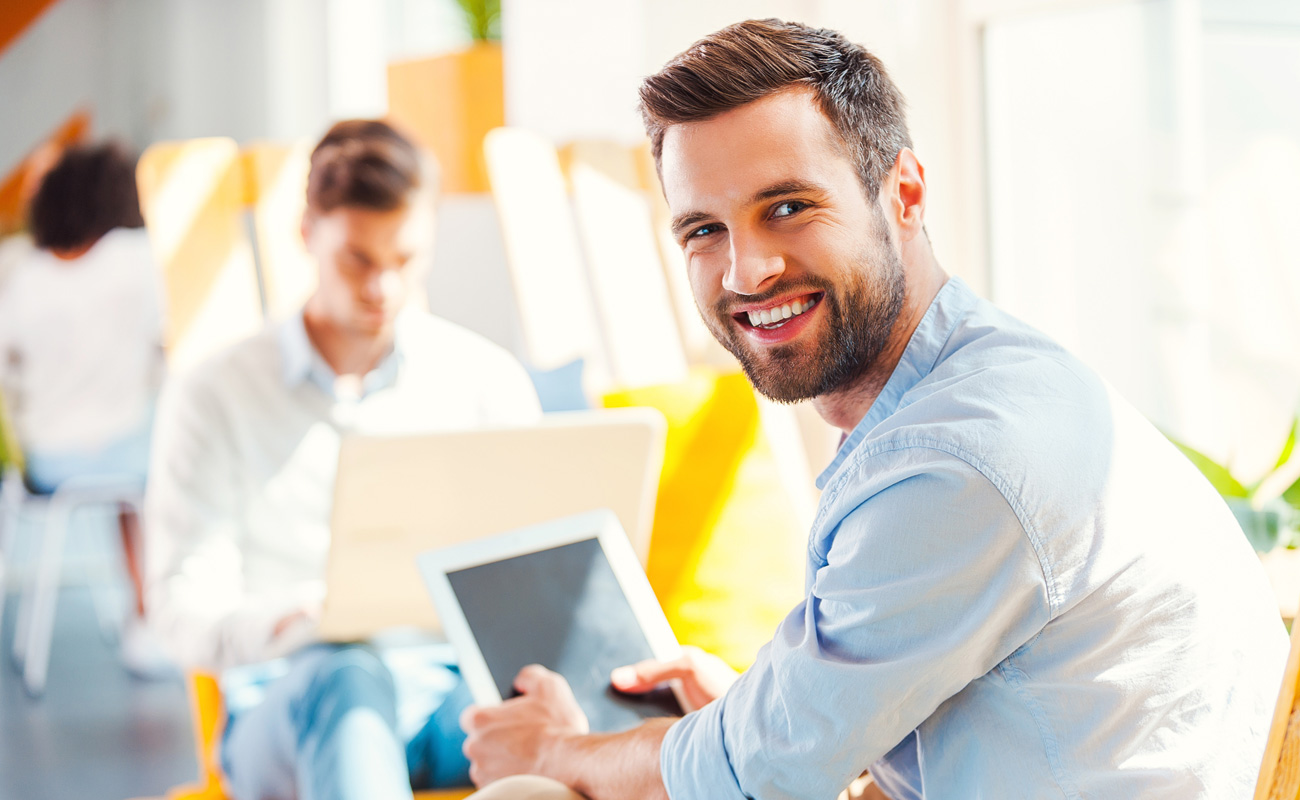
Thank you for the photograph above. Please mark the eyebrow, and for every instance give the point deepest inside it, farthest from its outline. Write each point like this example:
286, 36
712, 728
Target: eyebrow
781, 189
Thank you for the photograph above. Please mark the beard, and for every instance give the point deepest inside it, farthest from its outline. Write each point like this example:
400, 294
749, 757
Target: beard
859, 317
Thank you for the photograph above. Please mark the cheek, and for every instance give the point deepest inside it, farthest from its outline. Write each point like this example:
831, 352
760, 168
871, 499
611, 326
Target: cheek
705, 271
828, 251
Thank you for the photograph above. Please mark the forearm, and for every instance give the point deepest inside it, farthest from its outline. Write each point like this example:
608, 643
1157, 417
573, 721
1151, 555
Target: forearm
612, 766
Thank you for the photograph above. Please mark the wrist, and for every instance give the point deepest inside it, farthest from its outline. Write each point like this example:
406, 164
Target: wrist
556, 756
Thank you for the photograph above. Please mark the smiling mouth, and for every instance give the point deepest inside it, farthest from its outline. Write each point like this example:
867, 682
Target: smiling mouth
776, 316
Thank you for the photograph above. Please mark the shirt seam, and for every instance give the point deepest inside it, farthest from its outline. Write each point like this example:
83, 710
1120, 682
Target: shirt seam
1015, 678
973, 461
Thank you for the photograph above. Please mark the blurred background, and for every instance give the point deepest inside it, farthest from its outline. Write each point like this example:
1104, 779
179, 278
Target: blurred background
1121, 174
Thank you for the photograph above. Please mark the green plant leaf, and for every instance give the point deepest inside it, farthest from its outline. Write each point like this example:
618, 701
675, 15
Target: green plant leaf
483, 18
1289, 447
1216, 473
1292, 495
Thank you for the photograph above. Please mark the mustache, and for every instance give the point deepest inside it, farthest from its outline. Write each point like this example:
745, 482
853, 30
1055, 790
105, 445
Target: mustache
723, 305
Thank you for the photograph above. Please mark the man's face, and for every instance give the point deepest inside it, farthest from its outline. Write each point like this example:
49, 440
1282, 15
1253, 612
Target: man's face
794, 269
370, 261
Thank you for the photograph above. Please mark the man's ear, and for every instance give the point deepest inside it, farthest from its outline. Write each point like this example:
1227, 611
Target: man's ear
305, 228
904, 204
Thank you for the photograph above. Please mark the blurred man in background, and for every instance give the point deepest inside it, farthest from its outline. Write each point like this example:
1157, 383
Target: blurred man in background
1016, 587
244, 471
81, 344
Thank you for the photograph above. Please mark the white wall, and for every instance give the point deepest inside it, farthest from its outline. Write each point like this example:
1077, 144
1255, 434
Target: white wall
52, 70
1143, 203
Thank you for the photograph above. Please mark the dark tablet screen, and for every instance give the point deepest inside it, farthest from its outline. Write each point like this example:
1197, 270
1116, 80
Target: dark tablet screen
564, 609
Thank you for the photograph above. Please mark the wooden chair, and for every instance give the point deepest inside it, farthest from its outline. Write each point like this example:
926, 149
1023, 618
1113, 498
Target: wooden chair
1279, 775
208, 714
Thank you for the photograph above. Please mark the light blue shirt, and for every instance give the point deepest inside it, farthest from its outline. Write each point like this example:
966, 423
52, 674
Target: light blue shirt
303, 362
1016, 587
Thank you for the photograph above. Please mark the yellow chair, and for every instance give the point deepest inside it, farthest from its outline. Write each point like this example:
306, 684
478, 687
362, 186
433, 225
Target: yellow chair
208, 712
727, 546
193, 196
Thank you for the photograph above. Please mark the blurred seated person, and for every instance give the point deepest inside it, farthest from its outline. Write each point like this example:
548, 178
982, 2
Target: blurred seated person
243, 481
80, 343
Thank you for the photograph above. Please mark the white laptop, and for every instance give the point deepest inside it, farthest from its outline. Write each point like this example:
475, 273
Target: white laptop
396, 497
567, 594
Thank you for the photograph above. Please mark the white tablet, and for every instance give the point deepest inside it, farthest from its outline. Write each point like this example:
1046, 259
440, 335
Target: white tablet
569, 595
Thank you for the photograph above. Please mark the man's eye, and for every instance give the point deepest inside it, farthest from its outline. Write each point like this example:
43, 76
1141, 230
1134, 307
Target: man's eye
789, 208
702, 231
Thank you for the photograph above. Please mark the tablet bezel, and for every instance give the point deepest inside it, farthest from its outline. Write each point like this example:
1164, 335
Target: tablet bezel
601, 525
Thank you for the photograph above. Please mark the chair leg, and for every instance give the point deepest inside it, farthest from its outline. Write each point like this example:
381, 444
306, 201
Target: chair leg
100, 581
11, 499
45, 597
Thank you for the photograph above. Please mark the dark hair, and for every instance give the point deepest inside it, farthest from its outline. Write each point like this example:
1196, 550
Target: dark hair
90, 191
751, 60
364, 163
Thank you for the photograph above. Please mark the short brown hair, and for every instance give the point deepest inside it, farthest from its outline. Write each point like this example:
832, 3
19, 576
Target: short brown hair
751, 60
90, 191
364, 163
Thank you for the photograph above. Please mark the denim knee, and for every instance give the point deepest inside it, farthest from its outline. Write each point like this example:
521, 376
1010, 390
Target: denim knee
349, 677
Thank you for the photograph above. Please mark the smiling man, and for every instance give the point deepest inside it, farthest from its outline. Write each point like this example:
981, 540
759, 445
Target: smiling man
1016, 587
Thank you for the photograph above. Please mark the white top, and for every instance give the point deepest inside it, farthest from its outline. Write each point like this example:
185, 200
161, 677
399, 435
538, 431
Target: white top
245, 453
81, 343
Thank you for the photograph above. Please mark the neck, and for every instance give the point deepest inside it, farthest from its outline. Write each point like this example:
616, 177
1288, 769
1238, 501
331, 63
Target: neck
845, 407
74, 253
349, 352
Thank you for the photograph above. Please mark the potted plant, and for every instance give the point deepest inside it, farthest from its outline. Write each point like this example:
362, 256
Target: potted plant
449, 102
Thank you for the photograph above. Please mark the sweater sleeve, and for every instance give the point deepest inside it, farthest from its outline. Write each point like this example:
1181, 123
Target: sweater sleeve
196, 594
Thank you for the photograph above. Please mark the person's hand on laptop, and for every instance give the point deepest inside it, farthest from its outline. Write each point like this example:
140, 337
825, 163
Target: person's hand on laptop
516, 737
704, 677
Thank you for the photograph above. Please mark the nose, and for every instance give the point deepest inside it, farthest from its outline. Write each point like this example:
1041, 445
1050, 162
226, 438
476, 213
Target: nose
753, 265
382, 286
390, 284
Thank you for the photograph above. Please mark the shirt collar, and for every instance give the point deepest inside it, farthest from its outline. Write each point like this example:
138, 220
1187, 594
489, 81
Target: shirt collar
919, 357
302, 362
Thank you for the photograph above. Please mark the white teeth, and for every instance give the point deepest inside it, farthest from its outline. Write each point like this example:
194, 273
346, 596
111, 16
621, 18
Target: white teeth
769, 316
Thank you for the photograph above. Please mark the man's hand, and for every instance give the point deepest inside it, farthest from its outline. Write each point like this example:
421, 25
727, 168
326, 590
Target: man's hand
704, 677
516, 737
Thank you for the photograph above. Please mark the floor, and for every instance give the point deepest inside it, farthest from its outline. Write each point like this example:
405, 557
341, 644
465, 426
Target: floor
97, 734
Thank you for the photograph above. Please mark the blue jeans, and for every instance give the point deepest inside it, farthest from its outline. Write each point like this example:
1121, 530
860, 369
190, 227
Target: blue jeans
328, 730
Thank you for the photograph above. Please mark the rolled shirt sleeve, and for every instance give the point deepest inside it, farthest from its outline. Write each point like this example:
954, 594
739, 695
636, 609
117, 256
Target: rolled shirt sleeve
922, 579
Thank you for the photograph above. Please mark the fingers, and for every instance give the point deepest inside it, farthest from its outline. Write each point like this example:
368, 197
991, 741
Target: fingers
646, 675
473, 718
535, 678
